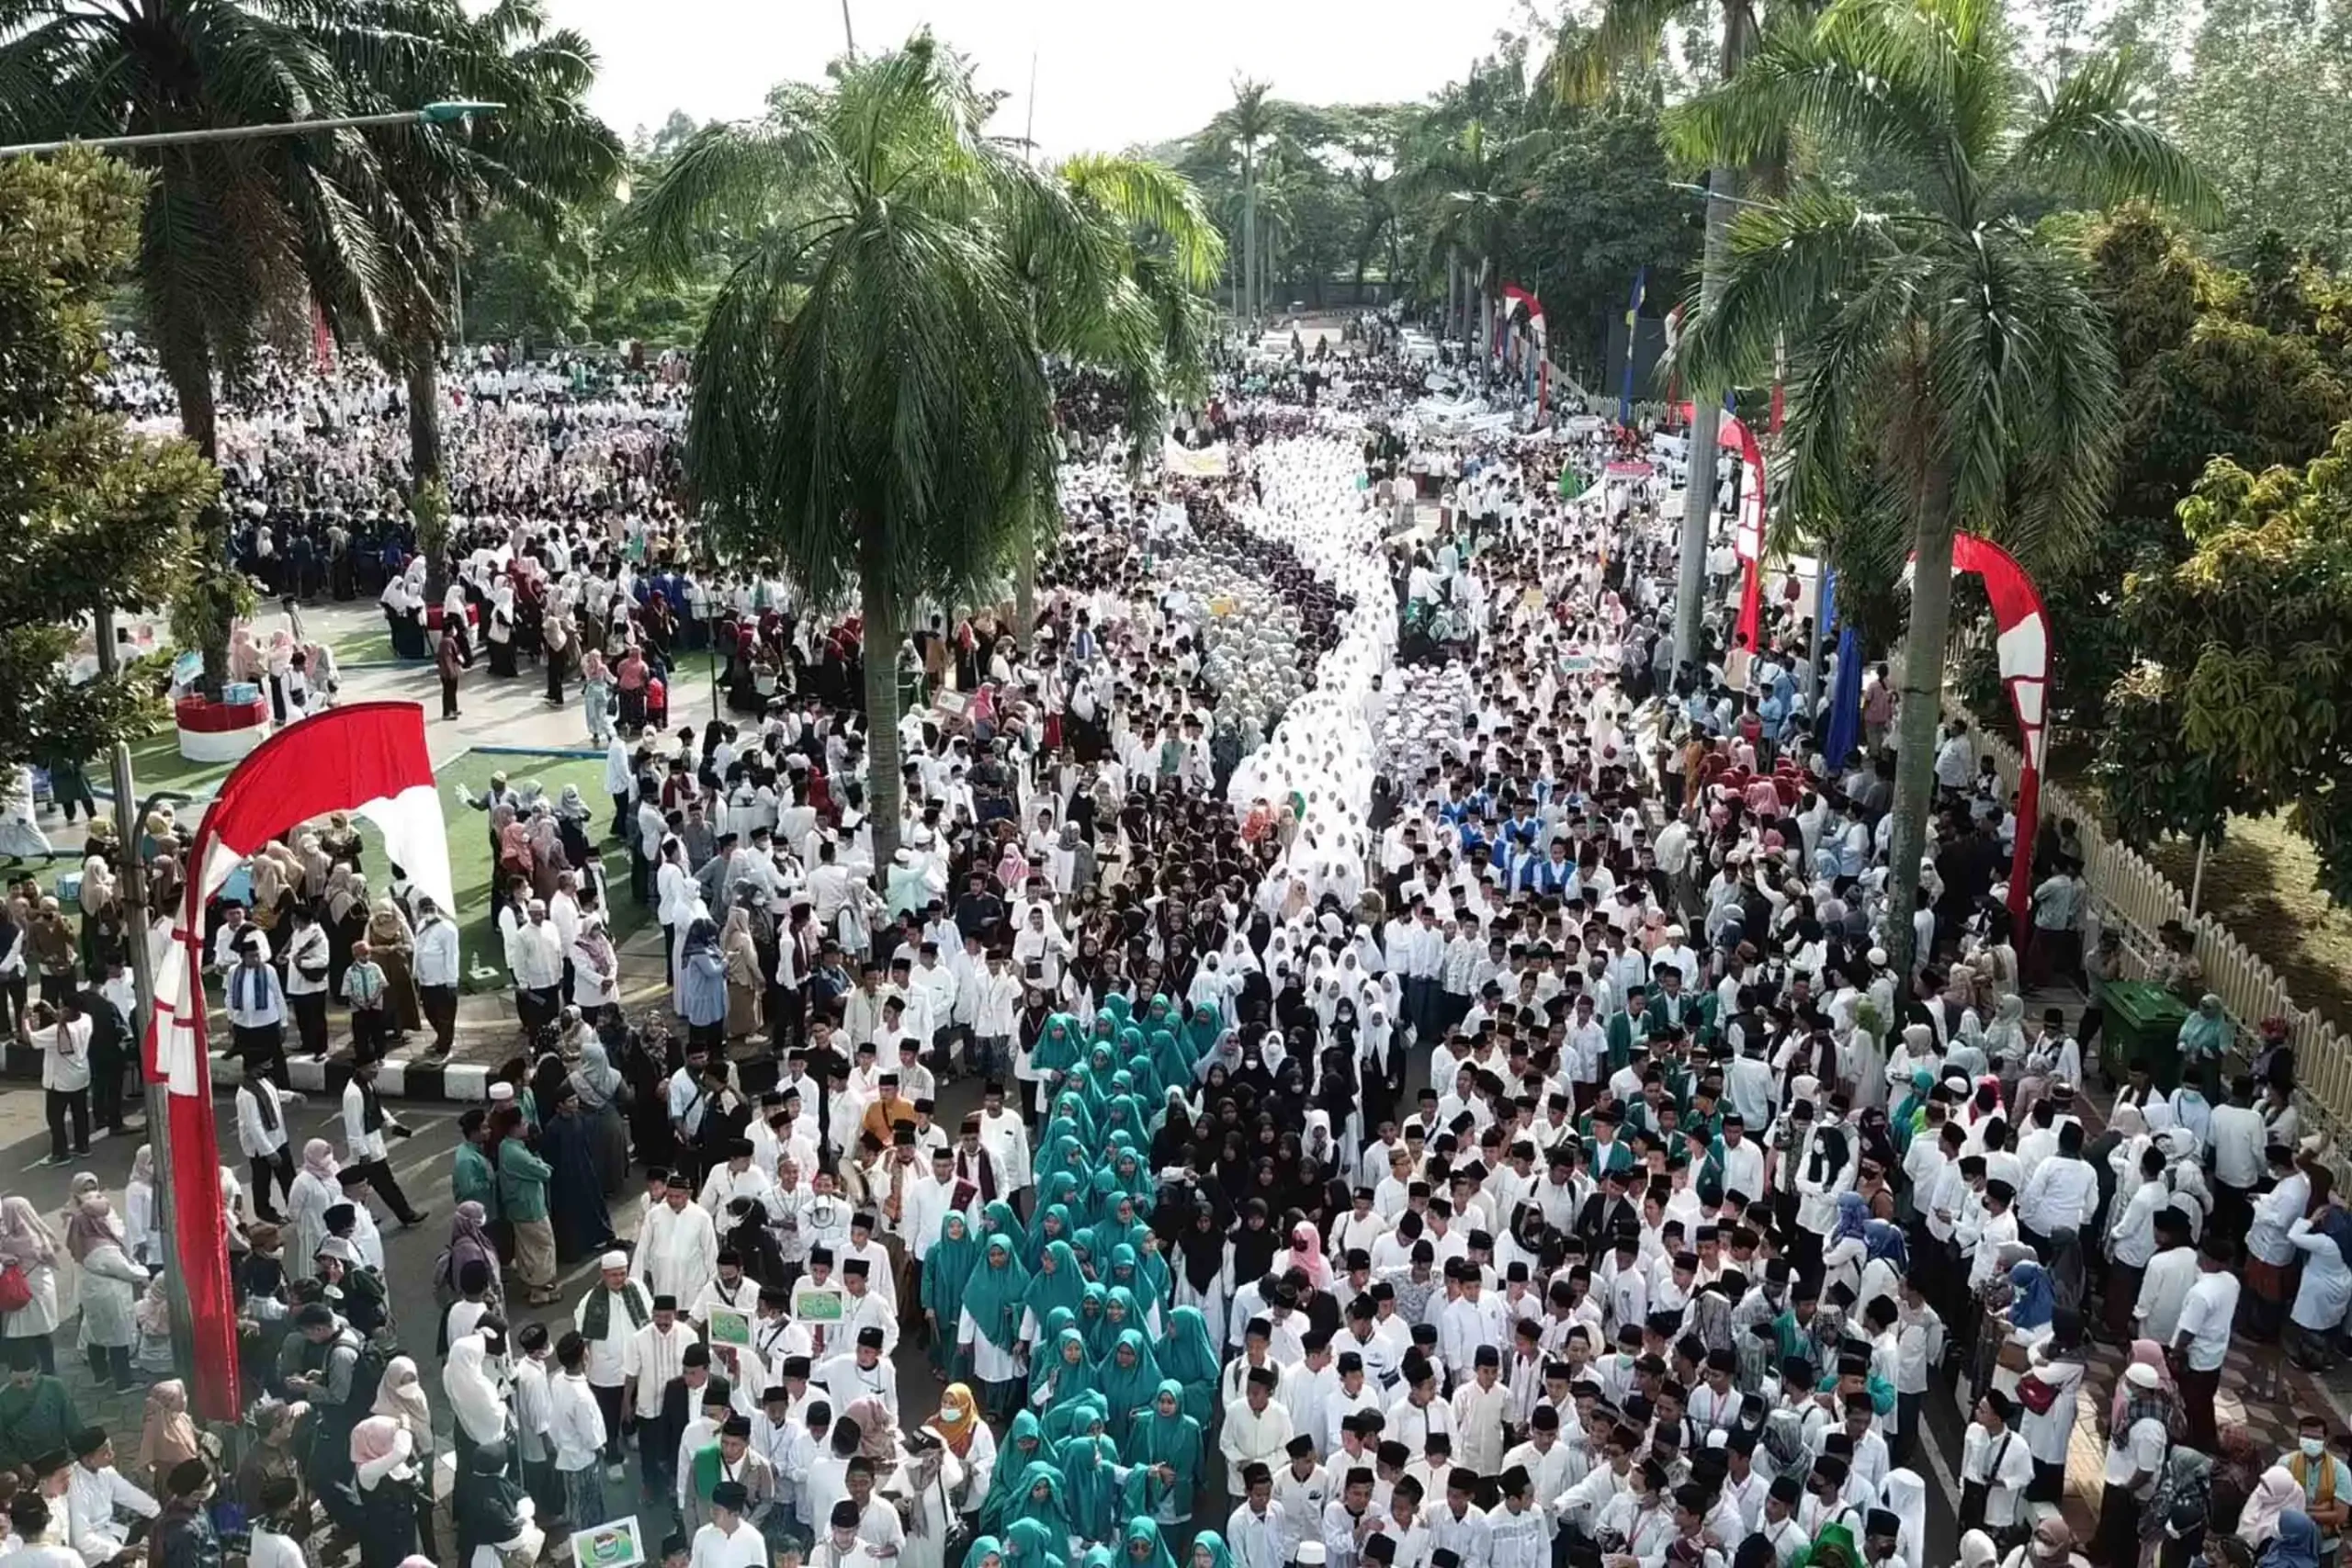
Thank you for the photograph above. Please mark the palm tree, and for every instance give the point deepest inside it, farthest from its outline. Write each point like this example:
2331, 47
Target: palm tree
1251, 120
869, 398
1152, 328
1627, 36
541, 153
1929, 325
1475, 182
236, 235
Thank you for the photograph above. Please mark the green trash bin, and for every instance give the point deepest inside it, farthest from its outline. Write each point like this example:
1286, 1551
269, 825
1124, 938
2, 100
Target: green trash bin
2142, 1025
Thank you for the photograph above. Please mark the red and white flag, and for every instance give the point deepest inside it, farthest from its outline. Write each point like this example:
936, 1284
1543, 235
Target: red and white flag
369, 758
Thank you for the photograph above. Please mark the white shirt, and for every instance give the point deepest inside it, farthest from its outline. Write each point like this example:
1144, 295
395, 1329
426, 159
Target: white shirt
258, 1139
2205, 1317
307, 949
92, 1500
576, 1424
64, 1050
362, 1145
271, 1550
1255, 1539
537, 959
2003, 1464
436, 953
255, 997
715, 1547
2062, 1194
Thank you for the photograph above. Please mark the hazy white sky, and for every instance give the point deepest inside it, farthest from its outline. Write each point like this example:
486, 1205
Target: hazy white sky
1110, 73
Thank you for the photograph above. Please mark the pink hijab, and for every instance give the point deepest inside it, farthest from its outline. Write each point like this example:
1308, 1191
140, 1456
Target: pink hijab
2148, 1353
1306, 1253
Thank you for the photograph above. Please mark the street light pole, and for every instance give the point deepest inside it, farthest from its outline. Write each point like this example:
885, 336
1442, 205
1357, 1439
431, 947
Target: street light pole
431, 114
129, 823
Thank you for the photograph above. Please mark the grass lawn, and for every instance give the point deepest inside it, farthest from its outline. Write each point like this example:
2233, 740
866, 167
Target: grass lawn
373, 646
156, 764
2260, 884
469, 854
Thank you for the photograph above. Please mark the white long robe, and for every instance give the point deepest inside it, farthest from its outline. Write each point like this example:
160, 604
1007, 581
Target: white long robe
678, 1251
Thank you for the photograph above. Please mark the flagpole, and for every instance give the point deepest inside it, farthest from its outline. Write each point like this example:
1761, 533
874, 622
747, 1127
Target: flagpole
130, 824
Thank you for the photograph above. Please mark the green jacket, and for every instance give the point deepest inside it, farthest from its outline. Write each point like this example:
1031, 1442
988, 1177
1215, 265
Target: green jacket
473, 1181
522, 1182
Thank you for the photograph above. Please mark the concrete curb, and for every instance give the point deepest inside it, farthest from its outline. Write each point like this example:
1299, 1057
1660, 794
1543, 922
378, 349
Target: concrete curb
403, 1078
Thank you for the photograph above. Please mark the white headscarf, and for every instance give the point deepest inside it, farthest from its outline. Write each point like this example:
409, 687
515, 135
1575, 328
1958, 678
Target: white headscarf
473, 1398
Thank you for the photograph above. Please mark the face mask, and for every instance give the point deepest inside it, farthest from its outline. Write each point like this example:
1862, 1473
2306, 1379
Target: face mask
2313, 1447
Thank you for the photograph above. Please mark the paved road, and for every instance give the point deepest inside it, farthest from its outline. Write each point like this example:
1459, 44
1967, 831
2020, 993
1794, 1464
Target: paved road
422, 1164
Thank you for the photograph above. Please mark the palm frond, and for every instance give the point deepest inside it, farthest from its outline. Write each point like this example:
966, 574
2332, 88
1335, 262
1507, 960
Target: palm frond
2095, 140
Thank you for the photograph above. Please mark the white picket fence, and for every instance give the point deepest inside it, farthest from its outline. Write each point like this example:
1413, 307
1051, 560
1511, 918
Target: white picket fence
2131, 894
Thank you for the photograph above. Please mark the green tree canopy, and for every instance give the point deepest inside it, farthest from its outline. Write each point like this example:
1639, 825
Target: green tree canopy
1926, 324
2243, 704
97, 515
870, 403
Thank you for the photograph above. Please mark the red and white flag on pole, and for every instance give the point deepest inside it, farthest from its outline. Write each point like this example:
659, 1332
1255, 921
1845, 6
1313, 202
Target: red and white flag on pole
367, 757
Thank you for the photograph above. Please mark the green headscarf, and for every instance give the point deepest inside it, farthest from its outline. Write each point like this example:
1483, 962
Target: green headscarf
1062, 1216
1030, 1543
1058, 1044
1190, 1357
1053, 1510
1056, 1282
1090, 1469
1201, 1033
1110, 1231
1010, 1462
953, 1257
1142, 1547
1168, 1062
994, 1291
1069, 1378
1131, 1385
1068, 1417
1093, 1326
1171, 1437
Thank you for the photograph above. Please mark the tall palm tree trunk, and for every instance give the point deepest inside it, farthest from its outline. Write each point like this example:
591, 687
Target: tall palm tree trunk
187, 365
1706, 414
1249, 238
881, 663
1915, 758
1024, 589
426, 465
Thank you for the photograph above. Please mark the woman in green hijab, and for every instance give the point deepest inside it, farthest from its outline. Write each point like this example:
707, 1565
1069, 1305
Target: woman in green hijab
993, 1327
1058, 1046
1209, 1551
1055, 1222
1201, 1032
1117, 1225
1165, 1443
1190, 1357
986, 1552
1022, 1443
1126, 1274
1033, 1544
1071, 1416
1039, 1496
1144, 1547
1091, 1325
1061, 1373
1129, 1380
1094, 1482
1056, 1282
944, 1274
1167, 1064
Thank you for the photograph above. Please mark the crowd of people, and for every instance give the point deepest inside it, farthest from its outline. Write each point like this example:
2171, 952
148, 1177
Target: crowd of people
1402, 1075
